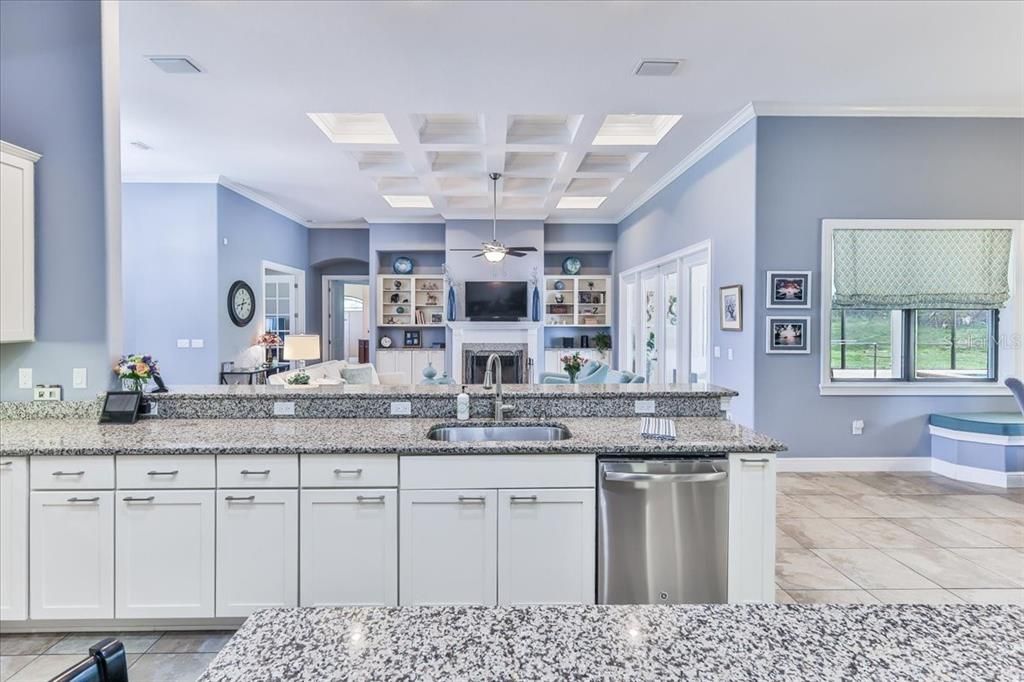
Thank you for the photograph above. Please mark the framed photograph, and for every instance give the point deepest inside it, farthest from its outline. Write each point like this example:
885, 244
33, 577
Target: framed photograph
788, 289
730, 308
436, 318
412, 338
788, 335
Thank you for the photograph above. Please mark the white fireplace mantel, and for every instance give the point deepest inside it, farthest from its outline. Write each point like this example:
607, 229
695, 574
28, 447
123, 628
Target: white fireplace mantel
521, 332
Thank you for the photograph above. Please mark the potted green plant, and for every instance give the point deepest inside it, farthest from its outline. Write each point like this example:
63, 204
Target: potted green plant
603, 342
572, 364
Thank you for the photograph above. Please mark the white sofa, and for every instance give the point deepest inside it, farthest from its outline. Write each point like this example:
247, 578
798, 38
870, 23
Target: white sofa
329, 374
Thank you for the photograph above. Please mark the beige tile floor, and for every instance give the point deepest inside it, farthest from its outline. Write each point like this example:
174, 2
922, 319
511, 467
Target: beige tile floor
897, 538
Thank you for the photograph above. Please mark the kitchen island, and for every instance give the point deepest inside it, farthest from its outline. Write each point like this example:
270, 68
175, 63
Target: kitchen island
706, 642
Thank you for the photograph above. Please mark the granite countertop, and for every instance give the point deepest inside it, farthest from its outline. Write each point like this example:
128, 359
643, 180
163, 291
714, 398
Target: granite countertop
705, 642
590, 435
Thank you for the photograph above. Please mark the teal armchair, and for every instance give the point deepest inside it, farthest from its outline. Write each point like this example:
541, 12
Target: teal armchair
593, 372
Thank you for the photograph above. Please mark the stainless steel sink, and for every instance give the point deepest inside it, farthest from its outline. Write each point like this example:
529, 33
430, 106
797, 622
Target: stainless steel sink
497, 433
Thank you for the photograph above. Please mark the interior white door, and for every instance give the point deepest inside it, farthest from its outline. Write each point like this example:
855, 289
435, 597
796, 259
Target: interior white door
257, 550
669, 323
448, 547
699, 320
650, 340
71, 545
349, 547
751, 528
546, 546
165, 554
14, 538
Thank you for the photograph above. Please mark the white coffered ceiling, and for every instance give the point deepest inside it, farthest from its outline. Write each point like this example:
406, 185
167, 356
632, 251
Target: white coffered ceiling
347, 112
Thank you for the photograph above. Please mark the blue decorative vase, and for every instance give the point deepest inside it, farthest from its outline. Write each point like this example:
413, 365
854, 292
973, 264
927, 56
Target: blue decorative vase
536, 304
428, 374
451, 304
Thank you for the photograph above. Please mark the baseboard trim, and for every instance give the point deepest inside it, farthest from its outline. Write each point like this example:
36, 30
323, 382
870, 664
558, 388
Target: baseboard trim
823, 464
959, 472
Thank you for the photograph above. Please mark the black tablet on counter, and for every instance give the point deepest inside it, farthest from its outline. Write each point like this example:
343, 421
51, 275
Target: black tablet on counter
121, 407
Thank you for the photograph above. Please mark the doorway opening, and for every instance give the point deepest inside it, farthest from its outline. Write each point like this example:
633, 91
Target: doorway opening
346, 318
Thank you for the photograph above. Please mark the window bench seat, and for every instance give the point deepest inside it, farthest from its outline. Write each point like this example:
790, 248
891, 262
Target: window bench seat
980, 447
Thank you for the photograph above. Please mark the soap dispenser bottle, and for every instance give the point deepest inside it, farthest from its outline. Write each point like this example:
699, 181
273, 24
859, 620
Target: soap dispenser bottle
462, 405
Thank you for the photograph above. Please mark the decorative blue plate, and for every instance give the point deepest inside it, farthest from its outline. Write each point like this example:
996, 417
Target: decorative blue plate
402, 265
571, 265
559, 284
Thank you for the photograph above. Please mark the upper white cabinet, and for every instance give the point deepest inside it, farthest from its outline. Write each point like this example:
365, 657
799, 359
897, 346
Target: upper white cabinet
14, 538
17, 243
448, 547
751, 528
545, 546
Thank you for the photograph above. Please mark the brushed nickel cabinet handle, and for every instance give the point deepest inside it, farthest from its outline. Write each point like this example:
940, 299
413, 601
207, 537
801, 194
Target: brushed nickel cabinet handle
246, 472
762, 460
354, 472
69, 473
6, 464
522, 498
83, 499
363, 499
162, 473
249, 498
463, 499
140, 499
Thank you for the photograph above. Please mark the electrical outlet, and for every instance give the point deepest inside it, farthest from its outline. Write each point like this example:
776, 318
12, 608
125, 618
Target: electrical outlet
858, 427
182, 343
46, 393
198, 343
284, 409
728, 353
25, 377
643, 406
401, 408
79, 378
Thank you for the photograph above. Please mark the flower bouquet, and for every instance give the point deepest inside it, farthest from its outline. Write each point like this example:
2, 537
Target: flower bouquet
135, 371
572, 364
269, 341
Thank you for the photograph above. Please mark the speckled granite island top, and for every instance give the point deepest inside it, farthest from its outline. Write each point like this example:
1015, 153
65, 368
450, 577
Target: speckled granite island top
385, 436
706, 642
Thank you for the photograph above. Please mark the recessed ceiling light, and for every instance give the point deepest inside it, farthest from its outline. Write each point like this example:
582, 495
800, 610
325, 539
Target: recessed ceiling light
580, 202
408, 201
657, 67
635, 129
174, 64
355, 128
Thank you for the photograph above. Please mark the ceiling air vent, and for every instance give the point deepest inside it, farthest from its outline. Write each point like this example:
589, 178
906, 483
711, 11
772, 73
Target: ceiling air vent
657, 67
170, 64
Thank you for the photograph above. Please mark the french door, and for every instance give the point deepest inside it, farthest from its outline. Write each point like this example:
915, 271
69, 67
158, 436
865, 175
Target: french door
664, 316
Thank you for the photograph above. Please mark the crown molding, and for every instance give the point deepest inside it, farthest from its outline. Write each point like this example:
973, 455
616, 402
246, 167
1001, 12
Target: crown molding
403, 220
339, 225
20, 152
792, 109
738, 120
254, 196
170, 180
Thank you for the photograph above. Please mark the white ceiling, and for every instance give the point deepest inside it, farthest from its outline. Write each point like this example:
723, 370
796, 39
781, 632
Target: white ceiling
521, 88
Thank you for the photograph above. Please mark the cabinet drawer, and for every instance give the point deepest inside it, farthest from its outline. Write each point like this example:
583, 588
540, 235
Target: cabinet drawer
72, 473
349, 471
257, 471
497, 471
158, 472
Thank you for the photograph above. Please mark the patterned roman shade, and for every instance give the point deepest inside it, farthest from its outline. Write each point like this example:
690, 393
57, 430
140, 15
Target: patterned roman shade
896, 269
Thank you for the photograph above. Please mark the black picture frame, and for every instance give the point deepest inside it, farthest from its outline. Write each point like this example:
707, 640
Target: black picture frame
412, 338
235, 287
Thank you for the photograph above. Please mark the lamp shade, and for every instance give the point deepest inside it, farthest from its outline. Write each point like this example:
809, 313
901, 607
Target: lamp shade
302, 347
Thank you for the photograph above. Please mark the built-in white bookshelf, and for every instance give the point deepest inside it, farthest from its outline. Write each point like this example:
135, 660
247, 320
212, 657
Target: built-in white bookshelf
577, 301
410, 301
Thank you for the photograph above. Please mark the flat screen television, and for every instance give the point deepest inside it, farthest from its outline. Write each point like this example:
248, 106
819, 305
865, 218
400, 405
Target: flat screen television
496, 301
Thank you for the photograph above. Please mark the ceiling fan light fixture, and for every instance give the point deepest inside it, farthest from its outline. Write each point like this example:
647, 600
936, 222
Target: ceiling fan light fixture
494, 256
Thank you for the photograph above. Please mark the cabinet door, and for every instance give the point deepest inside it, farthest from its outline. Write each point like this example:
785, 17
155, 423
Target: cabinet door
257, 550
349, 548
165, 554
14, 538
17, 248
403, 364
71, 543
546, 546
419, 361
385, 361
436, 358
553, 360
751, 528
448, 546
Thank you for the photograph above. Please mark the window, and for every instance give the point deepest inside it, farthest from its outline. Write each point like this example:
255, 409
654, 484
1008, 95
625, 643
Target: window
919, 307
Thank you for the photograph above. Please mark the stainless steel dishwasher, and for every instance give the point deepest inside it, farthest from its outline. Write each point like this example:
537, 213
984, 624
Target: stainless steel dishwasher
663, 529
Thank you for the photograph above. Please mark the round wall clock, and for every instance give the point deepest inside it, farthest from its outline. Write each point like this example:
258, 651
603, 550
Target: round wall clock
402, 265
385, 342
241, 303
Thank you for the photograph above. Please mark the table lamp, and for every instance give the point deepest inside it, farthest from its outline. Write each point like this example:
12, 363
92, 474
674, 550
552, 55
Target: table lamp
302, 347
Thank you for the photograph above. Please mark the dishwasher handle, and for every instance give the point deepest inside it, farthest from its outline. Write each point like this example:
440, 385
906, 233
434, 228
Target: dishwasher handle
706, 477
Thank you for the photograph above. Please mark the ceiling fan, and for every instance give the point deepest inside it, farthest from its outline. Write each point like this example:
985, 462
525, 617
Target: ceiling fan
494, 251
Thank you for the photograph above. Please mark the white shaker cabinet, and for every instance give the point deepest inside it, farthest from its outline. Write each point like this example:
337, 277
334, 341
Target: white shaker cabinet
14, 538
71, 542
751, 528
448, 545
165, 554
349, 547
546, 546
17, 243
410, 363
257, 550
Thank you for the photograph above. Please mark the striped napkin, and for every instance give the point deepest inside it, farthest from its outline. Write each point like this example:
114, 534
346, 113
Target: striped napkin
657, 428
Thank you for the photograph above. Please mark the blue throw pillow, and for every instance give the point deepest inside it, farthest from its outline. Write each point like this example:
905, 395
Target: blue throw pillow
358, 375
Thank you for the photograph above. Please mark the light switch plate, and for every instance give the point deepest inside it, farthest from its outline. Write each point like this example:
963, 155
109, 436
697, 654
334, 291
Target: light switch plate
718, 351
79, 378
25, 377
643, 406
728, 353
401, 408
857, 427
182, 343
198, 343
284, 409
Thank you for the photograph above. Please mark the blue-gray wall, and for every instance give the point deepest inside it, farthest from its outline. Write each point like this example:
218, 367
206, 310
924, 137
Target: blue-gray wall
333, 252
254, 234
809, 169
50, 102
715, 199
169, 272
